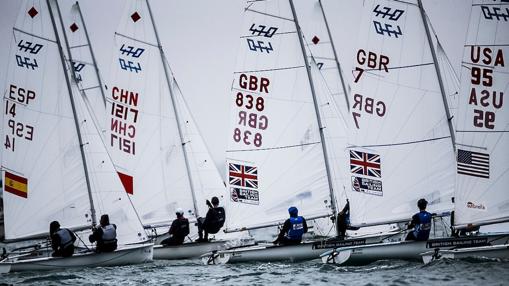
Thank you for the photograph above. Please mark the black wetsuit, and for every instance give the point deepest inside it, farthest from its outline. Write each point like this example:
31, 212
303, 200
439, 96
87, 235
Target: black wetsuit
179, 230
213, 222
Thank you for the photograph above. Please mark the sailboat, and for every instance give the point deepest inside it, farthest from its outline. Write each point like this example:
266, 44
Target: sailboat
54, 163
402, 141
277, 149
481, 196
156, 147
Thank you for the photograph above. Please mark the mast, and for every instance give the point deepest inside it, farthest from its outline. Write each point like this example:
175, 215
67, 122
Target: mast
167, 74
91, 53
439, 75
317, 111
68, 83
335, 55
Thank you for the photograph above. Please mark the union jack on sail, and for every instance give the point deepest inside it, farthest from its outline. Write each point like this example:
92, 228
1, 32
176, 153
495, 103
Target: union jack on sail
365, 164
243, 176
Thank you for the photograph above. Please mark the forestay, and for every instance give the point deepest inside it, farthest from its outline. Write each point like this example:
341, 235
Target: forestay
143, 133
44, 171
483, 118
274, 155
401, 148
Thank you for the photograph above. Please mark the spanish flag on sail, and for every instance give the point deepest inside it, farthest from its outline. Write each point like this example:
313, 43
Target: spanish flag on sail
15, 184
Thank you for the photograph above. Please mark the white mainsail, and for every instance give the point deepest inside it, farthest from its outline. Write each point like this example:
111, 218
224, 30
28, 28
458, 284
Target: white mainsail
84, 63
143, 134
315, 28
274, 154
44, 169
481, 195
401, 148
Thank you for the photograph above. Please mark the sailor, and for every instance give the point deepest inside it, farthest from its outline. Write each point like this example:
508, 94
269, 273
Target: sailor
105, 235
343, 221
213, 221
293, 229
62, 240
178, 231
421, 223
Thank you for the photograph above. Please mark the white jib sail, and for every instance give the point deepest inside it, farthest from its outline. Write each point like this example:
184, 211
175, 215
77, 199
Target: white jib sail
329, 90
206, 178
401, 148
274, 155
481, 195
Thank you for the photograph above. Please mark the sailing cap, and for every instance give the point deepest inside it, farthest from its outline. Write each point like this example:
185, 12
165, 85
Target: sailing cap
179, 211
293, 211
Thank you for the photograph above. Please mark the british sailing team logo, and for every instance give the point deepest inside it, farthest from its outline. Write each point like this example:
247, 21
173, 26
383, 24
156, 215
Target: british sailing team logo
365, 166
243, 181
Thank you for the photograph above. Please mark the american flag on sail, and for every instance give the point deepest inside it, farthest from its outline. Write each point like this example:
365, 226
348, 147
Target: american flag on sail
474, 164
367, 164
243, 176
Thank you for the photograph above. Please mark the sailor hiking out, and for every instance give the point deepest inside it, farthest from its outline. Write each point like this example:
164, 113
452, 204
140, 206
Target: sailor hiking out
62, 240
179, 229
105, 235
421, 223
213, 221
293, 229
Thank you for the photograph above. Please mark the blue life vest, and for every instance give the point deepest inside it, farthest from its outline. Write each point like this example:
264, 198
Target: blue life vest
422, 230
296, 228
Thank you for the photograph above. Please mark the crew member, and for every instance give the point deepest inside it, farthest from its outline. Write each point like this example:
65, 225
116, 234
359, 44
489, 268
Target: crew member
421, 223
178, 231
293, 229
62, 240
105, 235
343, 221
213, 221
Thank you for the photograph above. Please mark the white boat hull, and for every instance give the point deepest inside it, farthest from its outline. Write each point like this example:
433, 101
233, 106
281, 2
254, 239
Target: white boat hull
187, 250
403, 250
127, 255
492, 252
270, 252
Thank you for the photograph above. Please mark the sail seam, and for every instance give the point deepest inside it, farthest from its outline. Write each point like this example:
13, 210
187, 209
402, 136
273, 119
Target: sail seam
270, 15
131, 38
275, 69
35, 36
399, 144
275, 148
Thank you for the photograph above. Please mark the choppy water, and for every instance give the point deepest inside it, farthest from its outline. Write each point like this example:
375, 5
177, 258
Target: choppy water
191, 272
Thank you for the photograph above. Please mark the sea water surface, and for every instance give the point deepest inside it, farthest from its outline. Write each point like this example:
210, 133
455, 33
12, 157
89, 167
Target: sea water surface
192, 272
